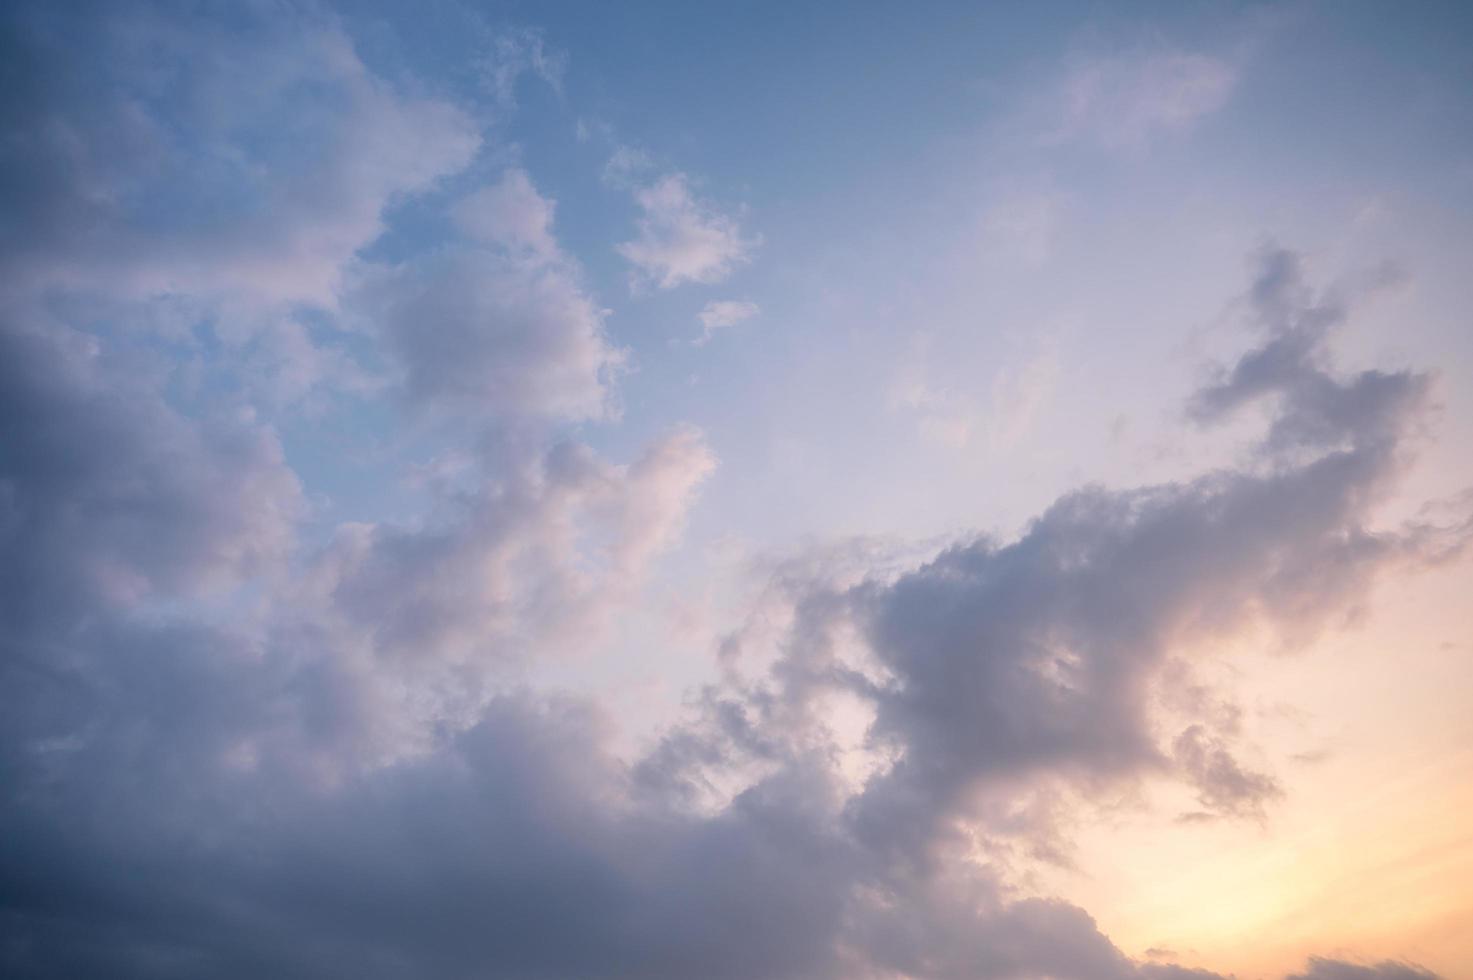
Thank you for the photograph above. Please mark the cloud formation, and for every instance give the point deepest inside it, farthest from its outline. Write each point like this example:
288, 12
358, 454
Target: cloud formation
501, 326
275, 148
1327, 969
424, 819
682, 238
233, 745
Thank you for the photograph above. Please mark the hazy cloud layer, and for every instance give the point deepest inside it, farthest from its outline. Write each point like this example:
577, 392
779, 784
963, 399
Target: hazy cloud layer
1123, 101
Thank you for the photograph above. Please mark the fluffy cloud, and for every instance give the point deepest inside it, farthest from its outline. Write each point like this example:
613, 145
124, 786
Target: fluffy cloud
498, 327
257, 823
230, 751
109, 497
430, 618
154, 151
683, 239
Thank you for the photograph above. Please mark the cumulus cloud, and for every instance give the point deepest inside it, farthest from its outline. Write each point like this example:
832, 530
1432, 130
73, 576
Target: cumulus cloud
500, 326
431, 617
682, 238
508, 840
275, 148
720, 314
227, 750
1038, 656
512, 214
108, 496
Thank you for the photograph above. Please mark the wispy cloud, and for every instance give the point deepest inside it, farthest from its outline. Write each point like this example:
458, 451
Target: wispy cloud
682, 238
1126, 100
720, 314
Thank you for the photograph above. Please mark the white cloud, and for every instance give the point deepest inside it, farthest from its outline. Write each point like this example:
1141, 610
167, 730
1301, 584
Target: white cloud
512, 214
684, 239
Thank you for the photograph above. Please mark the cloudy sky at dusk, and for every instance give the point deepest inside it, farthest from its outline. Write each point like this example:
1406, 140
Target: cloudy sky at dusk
770, 491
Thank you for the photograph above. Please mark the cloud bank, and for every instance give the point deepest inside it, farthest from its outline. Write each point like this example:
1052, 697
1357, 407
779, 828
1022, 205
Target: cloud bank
229, 748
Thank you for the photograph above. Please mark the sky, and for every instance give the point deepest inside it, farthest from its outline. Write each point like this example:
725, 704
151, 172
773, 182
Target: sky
751, 491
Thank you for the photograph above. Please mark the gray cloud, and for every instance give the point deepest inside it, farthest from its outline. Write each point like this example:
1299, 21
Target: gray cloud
294, 792
1223, 786
476, 334
276, 148
1123, 101
225, 752
109, 497
501, 328
1328, 969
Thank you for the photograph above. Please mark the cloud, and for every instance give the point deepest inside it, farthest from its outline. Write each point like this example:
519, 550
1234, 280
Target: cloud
512, 214
720, 314
683, 239
157, 152
500, 327
1224, 787
232, 749
342, 777
513, 53
1126, 100
1037, 657
424, 622
110, 497
1327, 969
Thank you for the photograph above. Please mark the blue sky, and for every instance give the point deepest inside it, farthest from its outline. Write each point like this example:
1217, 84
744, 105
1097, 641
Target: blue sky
769, 490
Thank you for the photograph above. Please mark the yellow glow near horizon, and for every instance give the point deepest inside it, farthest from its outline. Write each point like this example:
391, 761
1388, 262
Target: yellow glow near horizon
1369, 856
